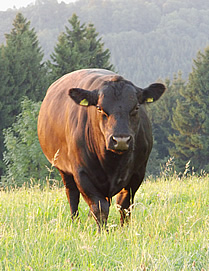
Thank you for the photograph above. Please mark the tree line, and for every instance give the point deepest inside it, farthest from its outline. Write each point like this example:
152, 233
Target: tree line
179, 119
148, 39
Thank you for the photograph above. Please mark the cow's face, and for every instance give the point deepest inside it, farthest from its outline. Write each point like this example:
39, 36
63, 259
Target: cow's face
118, 112
118, 106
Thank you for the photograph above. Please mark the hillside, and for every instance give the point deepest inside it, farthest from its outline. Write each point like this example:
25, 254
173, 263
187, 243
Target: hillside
147, 39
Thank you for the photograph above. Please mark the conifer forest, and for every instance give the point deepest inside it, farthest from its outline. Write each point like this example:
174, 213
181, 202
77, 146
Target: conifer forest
145, 41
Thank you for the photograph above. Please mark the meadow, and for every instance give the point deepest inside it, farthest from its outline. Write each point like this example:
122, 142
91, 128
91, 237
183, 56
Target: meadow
169, 230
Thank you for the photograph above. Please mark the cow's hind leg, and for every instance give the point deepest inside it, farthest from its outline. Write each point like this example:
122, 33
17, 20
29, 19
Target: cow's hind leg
72, 193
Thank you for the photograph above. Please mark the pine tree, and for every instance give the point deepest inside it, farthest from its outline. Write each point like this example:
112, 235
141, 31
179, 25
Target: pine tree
161, 115
191, 118
78, 48
26, 67
97, 56
4, 77
23, 72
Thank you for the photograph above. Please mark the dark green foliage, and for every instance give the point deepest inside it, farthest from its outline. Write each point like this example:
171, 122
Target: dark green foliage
4, 77
98, 57
26, 69
23, 157
78, 48
191, 118
161, 116
22, 72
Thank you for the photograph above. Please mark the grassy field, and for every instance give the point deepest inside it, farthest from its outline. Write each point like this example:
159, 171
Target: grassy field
169, 230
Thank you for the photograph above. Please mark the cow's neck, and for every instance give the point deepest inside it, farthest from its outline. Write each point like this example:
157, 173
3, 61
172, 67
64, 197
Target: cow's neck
117, 168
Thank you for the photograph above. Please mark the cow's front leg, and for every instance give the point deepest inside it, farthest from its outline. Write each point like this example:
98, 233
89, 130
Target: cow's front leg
125, 198
99, 205
99, 208
123, 204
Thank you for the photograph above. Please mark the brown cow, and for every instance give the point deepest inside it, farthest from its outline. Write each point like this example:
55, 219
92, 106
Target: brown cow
96, 123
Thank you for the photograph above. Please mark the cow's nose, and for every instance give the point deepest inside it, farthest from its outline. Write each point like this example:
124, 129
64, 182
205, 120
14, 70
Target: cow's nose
121, 143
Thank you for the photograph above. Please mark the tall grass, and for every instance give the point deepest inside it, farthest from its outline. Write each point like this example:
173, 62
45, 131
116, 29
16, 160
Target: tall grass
169, 230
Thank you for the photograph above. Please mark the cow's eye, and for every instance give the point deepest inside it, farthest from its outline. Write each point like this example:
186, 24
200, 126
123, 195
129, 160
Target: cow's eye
135, 110
101, 110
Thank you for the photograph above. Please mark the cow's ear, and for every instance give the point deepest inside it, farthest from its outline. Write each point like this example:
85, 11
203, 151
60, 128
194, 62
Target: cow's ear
152, 93
84, 97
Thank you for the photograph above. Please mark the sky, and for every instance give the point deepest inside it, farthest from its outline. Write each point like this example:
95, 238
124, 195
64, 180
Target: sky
5, 4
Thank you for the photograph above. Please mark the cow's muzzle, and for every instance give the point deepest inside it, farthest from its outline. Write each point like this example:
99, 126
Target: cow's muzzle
120, 143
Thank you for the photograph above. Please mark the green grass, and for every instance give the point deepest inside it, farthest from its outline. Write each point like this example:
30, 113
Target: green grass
169, 230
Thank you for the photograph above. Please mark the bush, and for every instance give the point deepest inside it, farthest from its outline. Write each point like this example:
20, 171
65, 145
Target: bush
23, 157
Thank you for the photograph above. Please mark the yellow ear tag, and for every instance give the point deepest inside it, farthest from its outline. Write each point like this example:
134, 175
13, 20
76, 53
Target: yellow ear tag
84, 102
149, 100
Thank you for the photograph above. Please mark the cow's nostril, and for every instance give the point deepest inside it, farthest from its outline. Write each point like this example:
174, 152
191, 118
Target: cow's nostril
114, 139
128, 139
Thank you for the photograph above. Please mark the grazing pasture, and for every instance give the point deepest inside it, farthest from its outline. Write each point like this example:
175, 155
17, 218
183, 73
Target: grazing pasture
169, 230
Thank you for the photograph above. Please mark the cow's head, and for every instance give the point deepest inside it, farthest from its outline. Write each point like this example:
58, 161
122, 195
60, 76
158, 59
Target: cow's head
118, 105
